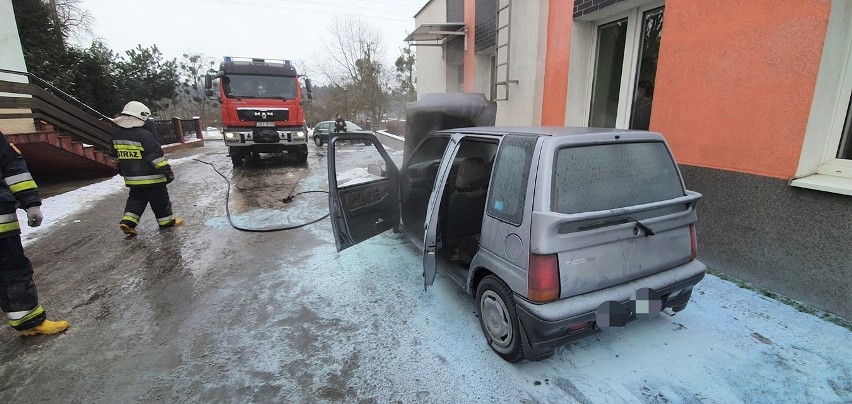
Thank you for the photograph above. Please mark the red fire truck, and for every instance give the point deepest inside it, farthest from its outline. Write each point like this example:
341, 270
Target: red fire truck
261, 107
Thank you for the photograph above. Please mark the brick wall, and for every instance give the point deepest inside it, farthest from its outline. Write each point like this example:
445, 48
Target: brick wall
582, 7
455, 45
455, 10
486, 25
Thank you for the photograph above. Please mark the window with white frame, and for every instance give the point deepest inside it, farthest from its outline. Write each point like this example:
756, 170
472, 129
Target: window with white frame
826, 160
624, 67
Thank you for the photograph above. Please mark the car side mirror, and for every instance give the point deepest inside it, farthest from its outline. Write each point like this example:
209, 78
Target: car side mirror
377, 169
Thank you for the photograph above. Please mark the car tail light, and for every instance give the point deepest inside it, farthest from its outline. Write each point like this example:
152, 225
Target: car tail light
543, 278
693, 242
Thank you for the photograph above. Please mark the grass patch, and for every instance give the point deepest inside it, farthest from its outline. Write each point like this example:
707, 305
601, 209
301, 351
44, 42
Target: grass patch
786, 300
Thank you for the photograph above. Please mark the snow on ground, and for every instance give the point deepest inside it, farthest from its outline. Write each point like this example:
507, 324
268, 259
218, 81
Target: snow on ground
730, 345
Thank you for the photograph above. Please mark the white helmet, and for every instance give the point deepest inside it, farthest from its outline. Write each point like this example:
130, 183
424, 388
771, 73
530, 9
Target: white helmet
136, 109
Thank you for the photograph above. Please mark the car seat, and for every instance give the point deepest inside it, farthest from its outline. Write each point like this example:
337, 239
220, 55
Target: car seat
466, 205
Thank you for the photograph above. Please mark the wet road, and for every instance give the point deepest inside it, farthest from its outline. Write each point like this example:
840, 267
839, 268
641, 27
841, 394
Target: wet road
206, 313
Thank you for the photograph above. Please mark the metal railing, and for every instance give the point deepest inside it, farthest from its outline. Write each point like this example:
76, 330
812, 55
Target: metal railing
48, 103
176, 130
73, 117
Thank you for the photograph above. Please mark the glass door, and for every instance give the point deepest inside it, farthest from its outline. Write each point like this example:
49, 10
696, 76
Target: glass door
609, 61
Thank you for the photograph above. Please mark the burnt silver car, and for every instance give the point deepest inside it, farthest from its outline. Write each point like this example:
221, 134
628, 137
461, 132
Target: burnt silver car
557, 232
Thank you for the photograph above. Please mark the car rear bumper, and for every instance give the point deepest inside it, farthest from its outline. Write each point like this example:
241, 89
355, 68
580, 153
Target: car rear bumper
548, 326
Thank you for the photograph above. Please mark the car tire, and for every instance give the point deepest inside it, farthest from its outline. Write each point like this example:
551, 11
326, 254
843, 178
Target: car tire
498, 319
318, 140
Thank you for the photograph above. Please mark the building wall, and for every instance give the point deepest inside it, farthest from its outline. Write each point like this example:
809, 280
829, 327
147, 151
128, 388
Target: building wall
557, 59
790, 240
12, 58
431, 66
527, 47
735, 91
735, 84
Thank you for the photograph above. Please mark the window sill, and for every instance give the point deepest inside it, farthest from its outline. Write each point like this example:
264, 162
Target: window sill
827, 183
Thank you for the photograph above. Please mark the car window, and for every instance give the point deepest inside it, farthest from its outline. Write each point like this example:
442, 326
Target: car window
324, 126
611, 176
350, 126
431, 149
509, 182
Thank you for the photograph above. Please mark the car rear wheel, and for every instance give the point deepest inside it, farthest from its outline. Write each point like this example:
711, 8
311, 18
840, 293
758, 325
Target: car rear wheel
498, 319
318, 140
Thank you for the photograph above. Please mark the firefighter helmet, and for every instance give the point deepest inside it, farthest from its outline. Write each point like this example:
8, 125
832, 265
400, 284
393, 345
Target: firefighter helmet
136, 109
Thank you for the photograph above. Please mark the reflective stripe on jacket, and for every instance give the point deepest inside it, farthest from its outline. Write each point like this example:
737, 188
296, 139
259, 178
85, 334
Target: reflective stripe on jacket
140, 157
18, 188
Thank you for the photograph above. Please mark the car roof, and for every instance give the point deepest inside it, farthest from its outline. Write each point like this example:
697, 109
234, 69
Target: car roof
332, 121
538, 130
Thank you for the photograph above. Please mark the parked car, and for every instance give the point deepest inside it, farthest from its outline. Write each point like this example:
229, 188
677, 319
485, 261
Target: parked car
212, 133
325, 129
557, 232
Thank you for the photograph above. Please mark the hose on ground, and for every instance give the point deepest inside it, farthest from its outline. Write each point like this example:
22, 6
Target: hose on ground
287, 199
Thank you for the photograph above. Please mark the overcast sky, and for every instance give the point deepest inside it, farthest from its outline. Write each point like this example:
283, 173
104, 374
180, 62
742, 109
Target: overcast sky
275, 29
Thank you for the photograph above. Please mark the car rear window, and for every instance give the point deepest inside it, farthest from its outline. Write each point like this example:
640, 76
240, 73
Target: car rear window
610, 176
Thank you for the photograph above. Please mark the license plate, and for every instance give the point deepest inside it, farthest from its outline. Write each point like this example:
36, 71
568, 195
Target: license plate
265, 124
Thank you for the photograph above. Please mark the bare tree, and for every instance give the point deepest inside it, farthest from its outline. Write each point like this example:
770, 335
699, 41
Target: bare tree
192, 69
351, 62
73, 20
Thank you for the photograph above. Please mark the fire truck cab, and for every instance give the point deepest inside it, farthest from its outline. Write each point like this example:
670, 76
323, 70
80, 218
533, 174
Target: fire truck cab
261, 107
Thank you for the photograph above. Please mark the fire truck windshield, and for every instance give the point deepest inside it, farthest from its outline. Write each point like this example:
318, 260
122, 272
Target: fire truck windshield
248, 86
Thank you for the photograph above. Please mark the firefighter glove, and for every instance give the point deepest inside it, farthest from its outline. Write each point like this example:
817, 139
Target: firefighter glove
170, 175
34, 216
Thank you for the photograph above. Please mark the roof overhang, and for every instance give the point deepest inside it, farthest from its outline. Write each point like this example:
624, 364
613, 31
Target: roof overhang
435, 34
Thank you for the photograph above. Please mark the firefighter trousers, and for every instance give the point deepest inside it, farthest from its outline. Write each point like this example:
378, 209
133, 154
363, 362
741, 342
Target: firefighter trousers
18, 296
138, 200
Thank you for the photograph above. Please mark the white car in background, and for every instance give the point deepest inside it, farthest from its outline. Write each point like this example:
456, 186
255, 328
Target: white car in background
212, 133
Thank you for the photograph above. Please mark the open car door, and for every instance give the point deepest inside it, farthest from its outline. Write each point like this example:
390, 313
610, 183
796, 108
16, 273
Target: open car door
363, 189
430, 236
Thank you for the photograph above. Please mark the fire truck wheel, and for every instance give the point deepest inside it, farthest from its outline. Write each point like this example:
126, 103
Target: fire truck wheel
236, 157
301, 153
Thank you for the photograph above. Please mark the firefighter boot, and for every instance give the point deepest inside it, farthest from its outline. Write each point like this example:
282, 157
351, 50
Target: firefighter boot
176, 222
47, 327
130, 231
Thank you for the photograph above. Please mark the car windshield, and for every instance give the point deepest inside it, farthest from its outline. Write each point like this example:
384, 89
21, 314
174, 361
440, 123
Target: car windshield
249, 86
351, 126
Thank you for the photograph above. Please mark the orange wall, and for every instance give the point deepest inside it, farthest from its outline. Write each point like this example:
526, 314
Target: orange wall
736, 79
559, 23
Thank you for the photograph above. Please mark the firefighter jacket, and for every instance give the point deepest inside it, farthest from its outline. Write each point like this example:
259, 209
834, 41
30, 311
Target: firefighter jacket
140, 158
18, 188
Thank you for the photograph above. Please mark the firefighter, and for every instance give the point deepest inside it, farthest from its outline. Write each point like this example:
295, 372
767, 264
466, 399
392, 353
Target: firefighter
146, 171
18, 296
